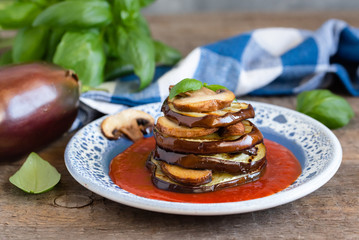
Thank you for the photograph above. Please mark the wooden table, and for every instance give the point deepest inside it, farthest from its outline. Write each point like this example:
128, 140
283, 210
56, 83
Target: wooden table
70, 211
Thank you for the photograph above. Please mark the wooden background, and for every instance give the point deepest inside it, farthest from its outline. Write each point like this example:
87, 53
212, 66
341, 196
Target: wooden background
70, 211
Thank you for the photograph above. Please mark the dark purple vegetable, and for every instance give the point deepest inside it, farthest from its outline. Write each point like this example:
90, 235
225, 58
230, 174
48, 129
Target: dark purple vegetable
220, 163
211, 144
219, 180
238, 112
38, 103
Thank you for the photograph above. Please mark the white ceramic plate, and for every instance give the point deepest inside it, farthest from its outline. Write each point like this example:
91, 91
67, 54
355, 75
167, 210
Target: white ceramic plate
88, 155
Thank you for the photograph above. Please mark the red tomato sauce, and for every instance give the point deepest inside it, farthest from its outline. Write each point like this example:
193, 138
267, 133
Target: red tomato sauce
128, 171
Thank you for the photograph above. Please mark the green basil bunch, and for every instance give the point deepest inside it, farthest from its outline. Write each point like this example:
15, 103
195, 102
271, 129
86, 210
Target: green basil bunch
98, 39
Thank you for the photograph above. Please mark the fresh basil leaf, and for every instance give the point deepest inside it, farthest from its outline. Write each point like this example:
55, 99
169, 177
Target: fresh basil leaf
110, 42
141, 53
54, 40
328, 108
82, 52
214, 87
118, 41
6, 58
29, 44
86, 0
187, 84
117, 37
5, 3
166, 55
36, 175
41, 3
76, 14
142, 25
18, 15
127, 11
115, 68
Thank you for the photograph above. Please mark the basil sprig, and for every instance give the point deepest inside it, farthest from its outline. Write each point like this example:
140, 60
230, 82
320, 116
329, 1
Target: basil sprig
328, 108
190, 84
89, 37
29, 44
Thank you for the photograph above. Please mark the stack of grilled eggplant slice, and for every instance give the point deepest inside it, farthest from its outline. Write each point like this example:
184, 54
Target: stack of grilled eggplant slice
204, 143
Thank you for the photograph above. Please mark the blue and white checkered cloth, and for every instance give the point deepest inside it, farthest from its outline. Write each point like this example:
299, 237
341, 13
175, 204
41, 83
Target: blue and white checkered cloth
268, 61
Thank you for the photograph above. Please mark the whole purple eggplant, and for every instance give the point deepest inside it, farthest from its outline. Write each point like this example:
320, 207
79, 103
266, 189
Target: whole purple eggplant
38, 103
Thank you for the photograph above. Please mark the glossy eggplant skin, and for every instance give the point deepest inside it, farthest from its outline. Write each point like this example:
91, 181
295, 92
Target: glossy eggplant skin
208, 121
38, 103
194, 161
186, 146
164, 183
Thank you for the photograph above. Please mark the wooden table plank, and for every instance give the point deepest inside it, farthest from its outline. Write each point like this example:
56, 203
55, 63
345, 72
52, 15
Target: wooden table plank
329, 213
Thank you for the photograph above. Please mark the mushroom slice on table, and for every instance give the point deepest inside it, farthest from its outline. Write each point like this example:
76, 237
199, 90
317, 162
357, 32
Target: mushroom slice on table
131, 122
203, 100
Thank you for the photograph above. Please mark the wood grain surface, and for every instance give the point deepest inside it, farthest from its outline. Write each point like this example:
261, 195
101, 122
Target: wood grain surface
70, 211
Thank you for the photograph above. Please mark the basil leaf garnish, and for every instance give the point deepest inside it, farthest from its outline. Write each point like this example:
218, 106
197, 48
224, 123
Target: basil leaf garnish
187, 84
214, 87
328, 108
190, 84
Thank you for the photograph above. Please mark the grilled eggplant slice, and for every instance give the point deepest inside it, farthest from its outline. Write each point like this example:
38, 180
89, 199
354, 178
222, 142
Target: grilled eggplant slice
211, 144
236, 112
170, 128
237, 163
203, 100
186, 176
219, 180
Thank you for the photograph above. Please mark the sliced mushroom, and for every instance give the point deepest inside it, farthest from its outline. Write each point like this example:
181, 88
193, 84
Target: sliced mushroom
232, 130
186, 176
203, 100
168, 127
131, 123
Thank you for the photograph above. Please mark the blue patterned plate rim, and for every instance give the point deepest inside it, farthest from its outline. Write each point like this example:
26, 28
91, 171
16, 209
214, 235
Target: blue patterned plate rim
88, 154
